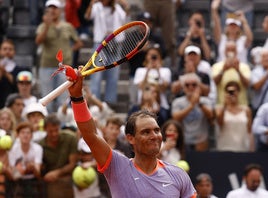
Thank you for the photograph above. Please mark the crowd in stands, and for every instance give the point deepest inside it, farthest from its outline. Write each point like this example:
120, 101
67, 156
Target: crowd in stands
207, 98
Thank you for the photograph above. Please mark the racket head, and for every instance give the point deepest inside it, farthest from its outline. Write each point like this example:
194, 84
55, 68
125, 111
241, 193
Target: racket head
118, 47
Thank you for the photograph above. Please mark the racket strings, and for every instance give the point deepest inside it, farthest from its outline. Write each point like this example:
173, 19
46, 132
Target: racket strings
120, 46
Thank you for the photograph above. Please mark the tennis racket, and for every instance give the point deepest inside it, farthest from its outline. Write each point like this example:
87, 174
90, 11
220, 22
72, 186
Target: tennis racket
115, 49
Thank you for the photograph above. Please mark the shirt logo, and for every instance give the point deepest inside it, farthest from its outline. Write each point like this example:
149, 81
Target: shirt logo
166, 184
136, 178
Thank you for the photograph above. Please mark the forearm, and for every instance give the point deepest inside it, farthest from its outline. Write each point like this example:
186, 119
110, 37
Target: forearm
216, 25
245, 81
184, 44
181, 114
40, 38
248, 34
205, 47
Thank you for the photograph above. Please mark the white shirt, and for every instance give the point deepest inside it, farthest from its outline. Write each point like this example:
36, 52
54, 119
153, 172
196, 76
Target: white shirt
244, 192
242, 51
35, 154
165, 75
101, 16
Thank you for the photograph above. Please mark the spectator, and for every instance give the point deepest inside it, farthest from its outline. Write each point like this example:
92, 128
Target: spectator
24, 84
196, 35
192, 56
260, 128
107, 16
234, 122
259, 83
204, 186
229, 6
173, 148
6, 85
35, 114
7, 55
189, 67
138, 59
194, 112
144, 134
251, 188
151, 101
265, 28
25, 159
8, 122
167, 23
231, 69
154, 72
54, 34
15, 103
60, 158
236, 30
112, 136
87, 160
255, 54
6, 173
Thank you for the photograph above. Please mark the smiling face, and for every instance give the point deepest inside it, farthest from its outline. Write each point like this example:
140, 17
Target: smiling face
147, 138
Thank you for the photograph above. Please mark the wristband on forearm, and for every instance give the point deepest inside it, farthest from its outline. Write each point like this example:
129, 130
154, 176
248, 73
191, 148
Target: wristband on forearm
81, 112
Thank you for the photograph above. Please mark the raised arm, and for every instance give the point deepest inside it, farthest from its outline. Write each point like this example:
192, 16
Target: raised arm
99, 148
216, 20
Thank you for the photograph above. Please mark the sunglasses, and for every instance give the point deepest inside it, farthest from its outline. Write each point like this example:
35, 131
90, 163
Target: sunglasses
190, 84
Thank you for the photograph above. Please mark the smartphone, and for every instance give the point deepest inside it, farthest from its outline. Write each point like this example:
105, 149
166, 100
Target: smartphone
198, 23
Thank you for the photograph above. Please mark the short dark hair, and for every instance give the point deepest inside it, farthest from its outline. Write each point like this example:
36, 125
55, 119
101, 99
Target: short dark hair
251, 167
131, 122
203, 176
52, 119
12, 98
23, 125
114, 120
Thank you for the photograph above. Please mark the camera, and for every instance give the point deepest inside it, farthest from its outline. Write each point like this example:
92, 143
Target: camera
231, 92
154, 57
198, 23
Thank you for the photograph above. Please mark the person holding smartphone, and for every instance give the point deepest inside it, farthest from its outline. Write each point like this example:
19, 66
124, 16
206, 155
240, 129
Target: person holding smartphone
234, 121
196, 35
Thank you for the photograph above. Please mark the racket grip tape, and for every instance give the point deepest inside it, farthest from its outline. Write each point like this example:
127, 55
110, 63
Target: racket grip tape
55, 93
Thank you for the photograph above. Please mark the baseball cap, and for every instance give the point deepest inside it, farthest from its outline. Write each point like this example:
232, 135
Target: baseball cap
35, 107
82, 146
55, 3
192, 48
24, 76
232, 21
145, 16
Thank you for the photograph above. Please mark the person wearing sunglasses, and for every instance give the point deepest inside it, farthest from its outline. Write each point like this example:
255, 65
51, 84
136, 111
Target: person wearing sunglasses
194, 112
234, 121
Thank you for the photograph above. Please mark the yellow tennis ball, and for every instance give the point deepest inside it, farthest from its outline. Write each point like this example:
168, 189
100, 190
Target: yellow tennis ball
184, 165
5, 142
83, 178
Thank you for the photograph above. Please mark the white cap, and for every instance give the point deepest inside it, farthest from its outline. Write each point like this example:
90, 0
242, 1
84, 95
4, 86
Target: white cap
233, 21
55, 3
35, 107
82, 146
192, 48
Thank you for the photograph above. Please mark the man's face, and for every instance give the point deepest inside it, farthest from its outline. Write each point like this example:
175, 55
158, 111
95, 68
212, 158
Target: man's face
25, 135
17, 107
194, 58
53, 132
253, 180
111, 131
148, 138
7, 50
204, 188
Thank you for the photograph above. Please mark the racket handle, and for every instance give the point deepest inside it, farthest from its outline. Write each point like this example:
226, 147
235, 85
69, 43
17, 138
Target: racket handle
55, 93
